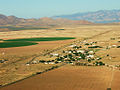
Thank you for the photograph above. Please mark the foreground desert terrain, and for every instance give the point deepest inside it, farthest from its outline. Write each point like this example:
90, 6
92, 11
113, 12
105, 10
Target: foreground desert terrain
71, 78
66, 77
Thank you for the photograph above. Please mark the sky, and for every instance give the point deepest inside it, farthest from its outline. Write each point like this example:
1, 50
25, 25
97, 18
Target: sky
48, 8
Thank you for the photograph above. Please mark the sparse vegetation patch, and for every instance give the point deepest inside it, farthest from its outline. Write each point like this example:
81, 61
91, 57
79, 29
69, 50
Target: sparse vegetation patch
60, 29
42, 39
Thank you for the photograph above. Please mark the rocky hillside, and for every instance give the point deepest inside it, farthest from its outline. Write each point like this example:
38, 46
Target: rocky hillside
102, 16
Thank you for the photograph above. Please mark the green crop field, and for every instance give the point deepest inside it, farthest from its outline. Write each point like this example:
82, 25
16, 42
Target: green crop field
29, 41
42, 39
15, 44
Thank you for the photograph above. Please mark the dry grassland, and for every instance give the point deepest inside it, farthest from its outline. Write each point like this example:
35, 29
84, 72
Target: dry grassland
70, 31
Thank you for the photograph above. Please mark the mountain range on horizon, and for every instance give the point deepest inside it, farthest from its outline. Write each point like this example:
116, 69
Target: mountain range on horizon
101, 16
45, 21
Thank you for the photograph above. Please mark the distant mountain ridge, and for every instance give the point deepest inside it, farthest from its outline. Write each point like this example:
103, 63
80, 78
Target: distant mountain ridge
12, 20
102, 16
9, 20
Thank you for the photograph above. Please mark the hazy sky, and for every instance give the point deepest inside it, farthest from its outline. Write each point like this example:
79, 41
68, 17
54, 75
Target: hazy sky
43, 8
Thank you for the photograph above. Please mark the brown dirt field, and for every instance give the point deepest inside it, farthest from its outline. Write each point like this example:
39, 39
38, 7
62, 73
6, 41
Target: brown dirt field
67, 78
116, 81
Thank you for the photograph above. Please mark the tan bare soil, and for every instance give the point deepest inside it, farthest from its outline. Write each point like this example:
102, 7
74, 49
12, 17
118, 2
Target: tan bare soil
67, 78
115, 82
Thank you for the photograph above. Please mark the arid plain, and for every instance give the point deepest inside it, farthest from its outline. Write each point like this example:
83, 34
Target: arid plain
67, 77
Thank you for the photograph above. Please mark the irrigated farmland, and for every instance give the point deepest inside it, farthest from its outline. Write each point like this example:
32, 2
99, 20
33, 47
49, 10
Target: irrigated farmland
29, 41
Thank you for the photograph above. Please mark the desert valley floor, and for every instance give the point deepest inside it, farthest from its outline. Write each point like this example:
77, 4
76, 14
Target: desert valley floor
67, 76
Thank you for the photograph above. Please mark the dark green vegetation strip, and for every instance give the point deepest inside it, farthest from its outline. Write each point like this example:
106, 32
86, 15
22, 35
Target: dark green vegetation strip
60, 29
26, 28
42, 39
15, 44
95, 47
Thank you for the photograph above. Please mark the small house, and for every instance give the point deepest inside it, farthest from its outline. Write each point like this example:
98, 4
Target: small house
46, 63
80, 51
55, 54
72, 45
51, 62
91, 52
